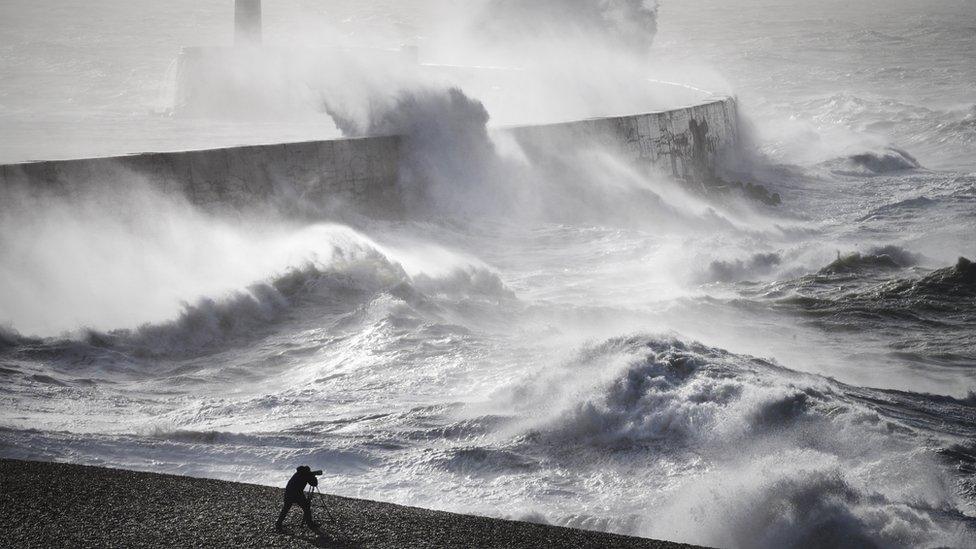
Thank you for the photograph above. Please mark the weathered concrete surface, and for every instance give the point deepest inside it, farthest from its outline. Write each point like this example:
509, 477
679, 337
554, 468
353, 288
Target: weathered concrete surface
351, 170
61, 505
683, 142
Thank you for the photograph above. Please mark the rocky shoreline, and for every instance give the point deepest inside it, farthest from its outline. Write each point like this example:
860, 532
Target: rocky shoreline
63, 505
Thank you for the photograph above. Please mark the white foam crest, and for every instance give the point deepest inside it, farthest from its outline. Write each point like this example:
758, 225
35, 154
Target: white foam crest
791, 460
795, 497
125, 255
634, 391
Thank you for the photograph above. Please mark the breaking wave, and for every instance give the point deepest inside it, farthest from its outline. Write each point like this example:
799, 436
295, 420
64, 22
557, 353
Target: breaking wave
890, 160
883, 258
734, 270
792, 460
943, 286
468, 355
346, 280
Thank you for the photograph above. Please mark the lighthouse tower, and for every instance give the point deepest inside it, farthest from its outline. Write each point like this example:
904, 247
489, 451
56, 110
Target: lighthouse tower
253, 80
247, 21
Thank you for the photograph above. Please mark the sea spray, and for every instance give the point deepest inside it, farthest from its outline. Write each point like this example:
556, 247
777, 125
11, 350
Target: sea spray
793, 486
501, 375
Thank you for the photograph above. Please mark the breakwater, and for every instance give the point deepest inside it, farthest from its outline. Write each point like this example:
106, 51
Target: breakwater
683, 142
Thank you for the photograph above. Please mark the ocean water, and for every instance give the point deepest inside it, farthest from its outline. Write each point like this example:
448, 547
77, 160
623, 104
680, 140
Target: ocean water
608, 351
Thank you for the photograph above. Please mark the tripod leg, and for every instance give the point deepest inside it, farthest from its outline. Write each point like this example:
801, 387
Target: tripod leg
328, 511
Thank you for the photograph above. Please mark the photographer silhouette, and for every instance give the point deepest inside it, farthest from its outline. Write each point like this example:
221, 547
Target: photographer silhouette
295, 495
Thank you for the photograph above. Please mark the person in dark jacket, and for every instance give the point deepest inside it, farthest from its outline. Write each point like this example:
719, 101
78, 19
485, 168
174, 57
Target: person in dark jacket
295, 495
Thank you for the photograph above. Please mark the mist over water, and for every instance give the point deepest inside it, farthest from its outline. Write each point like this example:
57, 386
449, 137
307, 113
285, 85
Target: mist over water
550, 335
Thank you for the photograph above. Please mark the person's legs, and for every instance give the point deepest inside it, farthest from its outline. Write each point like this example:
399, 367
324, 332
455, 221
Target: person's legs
307, 508
284, 513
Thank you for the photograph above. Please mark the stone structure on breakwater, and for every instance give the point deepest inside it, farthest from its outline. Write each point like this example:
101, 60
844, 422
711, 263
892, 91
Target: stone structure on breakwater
683, 142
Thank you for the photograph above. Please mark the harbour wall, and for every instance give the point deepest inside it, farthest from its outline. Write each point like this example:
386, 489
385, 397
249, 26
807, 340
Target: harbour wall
684, 143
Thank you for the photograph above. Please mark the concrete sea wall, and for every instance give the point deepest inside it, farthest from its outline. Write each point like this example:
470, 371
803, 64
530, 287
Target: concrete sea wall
683, 142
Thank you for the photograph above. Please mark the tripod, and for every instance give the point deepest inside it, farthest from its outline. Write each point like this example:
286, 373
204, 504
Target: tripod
310, 496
